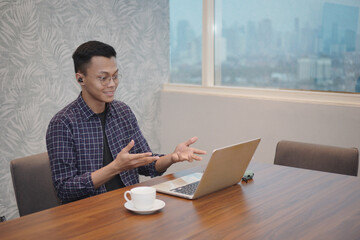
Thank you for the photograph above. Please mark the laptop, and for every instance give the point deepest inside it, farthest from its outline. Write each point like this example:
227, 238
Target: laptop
226, 167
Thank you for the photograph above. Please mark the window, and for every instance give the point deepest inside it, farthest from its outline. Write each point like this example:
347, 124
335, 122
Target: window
185, 41
302, 44
308, 45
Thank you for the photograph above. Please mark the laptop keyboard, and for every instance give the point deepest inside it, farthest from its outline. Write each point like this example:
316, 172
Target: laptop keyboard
188, 189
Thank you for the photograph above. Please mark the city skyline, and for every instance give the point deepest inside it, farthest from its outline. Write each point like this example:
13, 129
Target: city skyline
250, 44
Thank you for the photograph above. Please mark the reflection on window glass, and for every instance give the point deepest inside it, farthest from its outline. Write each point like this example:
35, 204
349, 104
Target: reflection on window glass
303, 44
185, 41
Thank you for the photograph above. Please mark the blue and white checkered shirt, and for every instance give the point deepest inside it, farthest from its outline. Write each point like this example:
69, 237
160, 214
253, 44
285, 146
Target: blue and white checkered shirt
74, 141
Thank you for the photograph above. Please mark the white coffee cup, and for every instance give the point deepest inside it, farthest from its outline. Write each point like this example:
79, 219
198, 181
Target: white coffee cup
142, 198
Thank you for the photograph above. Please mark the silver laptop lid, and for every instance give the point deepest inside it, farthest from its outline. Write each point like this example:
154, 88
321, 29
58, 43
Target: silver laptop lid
226, 167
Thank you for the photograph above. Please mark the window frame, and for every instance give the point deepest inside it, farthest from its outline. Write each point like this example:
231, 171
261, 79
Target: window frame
208, 86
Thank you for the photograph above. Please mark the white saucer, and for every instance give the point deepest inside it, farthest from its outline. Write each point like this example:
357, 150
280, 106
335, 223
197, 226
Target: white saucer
158, 204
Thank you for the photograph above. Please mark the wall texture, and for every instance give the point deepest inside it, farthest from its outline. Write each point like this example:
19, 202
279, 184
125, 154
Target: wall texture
220, 120
37, 39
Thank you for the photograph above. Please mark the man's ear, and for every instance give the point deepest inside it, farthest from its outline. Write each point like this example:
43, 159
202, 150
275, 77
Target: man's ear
79, 78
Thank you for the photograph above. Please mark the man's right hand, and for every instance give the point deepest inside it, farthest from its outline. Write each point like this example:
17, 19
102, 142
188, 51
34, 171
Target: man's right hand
126, 161
123, 161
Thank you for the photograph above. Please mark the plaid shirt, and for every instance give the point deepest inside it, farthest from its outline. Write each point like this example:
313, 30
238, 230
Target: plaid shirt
74, 141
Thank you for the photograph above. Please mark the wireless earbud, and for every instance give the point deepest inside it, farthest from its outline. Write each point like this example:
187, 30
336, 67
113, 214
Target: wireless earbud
80, 80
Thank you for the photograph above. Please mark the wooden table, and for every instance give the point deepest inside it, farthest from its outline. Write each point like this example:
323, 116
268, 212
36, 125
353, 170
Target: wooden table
280, 203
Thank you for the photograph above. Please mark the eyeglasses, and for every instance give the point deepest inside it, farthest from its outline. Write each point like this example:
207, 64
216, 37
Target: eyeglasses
106, 80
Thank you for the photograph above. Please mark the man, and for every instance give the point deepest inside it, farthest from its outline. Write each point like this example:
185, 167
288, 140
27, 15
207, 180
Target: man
95, 144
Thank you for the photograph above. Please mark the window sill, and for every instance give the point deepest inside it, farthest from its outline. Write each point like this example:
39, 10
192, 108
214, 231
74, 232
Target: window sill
315, 97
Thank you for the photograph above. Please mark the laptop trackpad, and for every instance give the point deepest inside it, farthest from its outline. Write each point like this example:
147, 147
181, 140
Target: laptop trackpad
166, 186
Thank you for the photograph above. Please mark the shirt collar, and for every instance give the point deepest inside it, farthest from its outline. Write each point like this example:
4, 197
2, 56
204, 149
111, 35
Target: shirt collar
86, 111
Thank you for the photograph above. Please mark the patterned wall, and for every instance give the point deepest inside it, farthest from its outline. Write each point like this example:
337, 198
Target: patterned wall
37, 39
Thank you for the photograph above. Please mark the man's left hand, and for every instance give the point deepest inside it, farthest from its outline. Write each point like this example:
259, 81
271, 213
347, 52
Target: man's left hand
183, 152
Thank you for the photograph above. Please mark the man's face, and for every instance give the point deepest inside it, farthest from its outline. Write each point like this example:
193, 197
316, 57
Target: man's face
100, 83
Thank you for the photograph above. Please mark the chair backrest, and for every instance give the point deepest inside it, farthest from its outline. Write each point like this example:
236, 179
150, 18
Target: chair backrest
317, 157
34, 189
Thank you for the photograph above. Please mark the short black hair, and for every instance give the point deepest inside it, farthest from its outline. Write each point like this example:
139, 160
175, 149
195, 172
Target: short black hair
83, 54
